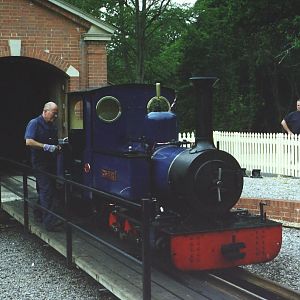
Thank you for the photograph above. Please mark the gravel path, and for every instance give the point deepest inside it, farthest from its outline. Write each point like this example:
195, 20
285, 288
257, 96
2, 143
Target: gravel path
30, 269
272, 188
285, 268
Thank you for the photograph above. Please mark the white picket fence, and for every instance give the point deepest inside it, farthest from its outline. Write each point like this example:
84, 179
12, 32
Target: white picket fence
272, 153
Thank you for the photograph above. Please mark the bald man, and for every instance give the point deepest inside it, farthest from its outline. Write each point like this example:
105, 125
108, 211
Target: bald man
41, 137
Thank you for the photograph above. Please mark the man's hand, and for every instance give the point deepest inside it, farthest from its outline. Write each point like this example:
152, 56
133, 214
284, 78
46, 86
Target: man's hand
49, 148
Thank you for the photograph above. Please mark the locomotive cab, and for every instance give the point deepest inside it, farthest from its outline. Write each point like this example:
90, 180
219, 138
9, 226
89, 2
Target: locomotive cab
111, 133
73, 151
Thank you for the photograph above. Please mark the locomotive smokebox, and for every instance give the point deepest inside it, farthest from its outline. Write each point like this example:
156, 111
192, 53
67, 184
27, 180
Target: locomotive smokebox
201, 180
204, 103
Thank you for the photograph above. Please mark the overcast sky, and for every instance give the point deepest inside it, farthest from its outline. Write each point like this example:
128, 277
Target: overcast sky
191, 2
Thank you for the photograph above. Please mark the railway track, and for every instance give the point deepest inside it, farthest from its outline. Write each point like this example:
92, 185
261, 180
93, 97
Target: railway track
253, 285
234, 283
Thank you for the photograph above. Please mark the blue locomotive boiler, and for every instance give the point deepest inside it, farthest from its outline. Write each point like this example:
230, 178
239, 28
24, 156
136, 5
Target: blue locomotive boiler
201, 180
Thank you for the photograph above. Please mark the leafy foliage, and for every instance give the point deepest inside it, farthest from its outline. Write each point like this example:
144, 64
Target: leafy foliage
253, 47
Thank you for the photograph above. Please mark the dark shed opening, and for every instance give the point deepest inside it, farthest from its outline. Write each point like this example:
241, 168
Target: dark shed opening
26, 85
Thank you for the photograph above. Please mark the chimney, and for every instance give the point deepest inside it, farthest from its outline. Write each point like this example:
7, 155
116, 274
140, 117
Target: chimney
204, 104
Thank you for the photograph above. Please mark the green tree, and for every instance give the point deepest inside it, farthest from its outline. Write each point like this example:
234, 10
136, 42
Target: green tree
253, 47
145, 46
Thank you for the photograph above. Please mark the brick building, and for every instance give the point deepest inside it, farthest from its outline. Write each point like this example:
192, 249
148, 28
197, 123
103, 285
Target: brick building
47, 48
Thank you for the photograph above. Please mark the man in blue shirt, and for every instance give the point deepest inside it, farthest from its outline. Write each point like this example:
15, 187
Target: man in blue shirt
41, 136
291, 122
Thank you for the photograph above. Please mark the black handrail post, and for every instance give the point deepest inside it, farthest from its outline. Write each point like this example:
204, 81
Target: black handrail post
25, 198
0, 192
1, 164
68, 226
69, 244
146, 255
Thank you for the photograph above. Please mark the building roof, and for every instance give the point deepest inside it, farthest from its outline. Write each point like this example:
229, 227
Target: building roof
99, 30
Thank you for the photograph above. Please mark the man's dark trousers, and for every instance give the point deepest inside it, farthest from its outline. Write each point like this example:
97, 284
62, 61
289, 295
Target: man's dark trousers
47, 192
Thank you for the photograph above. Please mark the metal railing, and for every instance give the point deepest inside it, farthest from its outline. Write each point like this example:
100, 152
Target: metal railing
145, 208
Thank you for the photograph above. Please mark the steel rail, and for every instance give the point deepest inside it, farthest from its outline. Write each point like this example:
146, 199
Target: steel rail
261, 287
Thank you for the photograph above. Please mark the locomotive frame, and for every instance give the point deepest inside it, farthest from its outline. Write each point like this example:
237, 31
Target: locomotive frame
126, 144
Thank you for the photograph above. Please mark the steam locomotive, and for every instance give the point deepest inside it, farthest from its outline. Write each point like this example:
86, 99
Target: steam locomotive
123, 140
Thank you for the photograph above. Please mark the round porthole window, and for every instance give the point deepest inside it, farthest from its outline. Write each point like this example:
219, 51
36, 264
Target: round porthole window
108, 109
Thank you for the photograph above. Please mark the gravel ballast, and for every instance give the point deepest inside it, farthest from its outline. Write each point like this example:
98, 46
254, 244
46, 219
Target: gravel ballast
272, 188
30, 269
285, 268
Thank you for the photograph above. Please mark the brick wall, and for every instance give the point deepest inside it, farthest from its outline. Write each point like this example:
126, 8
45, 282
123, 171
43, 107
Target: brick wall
96, 60
53, 35
286, 211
